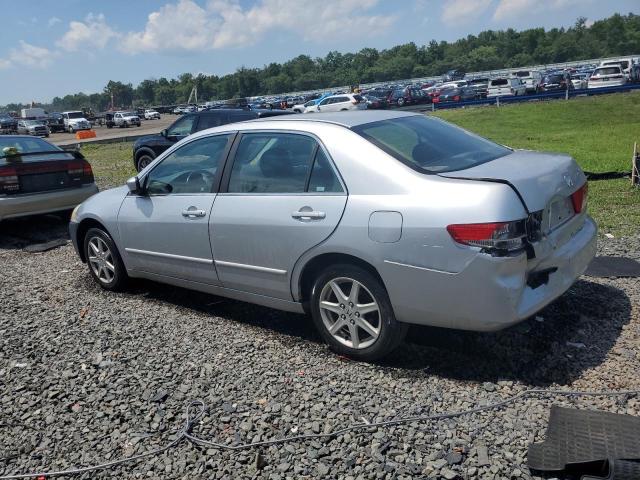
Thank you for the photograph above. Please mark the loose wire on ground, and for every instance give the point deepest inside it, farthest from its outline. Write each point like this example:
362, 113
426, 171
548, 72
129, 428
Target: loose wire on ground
196, 409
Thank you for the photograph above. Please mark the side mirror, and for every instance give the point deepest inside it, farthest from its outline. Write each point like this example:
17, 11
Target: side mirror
164, 133
134, 185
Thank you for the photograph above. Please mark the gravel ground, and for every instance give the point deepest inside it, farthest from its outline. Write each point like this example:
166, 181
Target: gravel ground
88, 376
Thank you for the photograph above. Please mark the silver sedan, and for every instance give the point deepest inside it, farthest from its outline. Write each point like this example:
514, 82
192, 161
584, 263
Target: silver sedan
369, 221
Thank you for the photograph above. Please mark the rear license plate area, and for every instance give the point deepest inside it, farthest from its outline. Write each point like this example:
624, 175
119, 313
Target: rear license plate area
560, 211
43, 182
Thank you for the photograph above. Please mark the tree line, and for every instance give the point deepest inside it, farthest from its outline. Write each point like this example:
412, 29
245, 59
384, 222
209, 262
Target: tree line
489, 50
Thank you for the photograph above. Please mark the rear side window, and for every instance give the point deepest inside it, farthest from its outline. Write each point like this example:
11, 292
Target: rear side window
272, 163
210, 121
430, 145
323, 178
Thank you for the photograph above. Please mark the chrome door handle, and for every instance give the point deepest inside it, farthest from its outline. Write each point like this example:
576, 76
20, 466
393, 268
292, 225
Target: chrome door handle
309, 215
193, 212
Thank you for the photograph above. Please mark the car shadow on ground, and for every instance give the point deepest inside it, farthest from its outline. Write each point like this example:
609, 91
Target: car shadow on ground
570, 336
573, 334
19, 233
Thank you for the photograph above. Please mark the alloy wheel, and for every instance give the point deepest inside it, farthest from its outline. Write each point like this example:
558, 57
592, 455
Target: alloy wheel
144, 161
101, 260
350, 313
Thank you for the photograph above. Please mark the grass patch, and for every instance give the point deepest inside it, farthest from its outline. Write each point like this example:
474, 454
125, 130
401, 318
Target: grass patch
598, 132
112, 163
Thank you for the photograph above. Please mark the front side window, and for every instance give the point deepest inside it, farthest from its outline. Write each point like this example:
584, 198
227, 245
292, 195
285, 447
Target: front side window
272, 163
190, 169
182, 127
430, 145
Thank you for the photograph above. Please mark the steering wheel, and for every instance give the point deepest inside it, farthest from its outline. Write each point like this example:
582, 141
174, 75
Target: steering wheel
203, 176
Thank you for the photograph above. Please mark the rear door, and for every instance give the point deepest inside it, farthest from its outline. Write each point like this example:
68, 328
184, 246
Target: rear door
165, 230
281, 196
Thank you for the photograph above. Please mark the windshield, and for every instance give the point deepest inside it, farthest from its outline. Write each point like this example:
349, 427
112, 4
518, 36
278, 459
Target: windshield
32, 122
430, 145
553, 78
523, 74
499, 81
75, 115
13, 145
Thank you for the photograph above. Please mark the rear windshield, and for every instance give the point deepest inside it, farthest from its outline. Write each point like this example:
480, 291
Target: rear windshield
553, 78
523, 74
607, 71
499, 81
11, 147
430, 145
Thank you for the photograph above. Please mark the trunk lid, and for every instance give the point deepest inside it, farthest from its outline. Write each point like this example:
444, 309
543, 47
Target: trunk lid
544, 181
43, 172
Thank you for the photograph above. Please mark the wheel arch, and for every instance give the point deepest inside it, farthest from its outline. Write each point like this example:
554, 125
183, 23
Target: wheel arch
315, 265
83, 228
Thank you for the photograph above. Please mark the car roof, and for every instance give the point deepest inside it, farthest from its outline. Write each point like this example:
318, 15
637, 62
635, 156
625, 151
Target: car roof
347, 119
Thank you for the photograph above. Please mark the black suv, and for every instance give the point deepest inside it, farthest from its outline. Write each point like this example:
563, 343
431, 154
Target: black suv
146, 149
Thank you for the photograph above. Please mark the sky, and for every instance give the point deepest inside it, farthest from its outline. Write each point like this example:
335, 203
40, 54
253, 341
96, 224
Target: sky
52, 48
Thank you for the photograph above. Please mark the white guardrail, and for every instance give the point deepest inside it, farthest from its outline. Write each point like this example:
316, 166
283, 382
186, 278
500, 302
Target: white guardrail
486, 73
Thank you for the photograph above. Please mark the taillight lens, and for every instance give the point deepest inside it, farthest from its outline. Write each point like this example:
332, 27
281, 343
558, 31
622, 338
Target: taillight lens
456, 98
9, 180
579, 198
501, 236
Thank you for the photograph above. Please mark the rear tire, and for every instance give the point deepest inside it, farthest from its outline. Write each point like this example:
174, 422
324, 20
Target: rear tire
356, 323
104, 261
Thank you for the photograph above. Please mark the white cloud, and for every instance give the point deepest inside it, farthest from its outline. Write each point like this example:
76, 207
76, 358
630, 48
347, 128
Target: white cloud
30, 56
52, 21
462, 11
93, 33
181, 26
510, 9
513, 8
4, 63
225, 23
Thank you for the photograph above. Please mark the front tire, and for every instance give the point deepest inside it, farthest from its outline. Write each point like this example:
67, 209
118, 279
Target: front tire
103, 259
352, 311
144, 160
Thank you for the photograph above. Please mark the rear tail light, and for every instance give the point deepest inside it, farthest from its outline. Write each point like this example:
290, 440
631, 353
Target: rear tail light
495, 236
75, 168
87, 171
456, 98
579, 198
9, 180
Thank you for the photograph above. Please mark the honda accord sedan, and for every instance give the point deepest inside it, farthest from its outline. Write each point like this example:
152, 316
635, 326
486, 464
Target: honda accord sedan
368, 221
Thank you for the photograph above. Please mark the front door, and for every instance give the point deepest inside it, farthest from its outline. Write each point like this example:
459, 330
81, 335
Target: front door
165, 230
283, 196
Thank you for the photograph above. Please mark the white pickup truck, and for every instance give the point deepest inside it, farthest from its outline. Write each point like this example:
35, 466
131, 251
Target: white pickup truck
125, 119
75, 121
